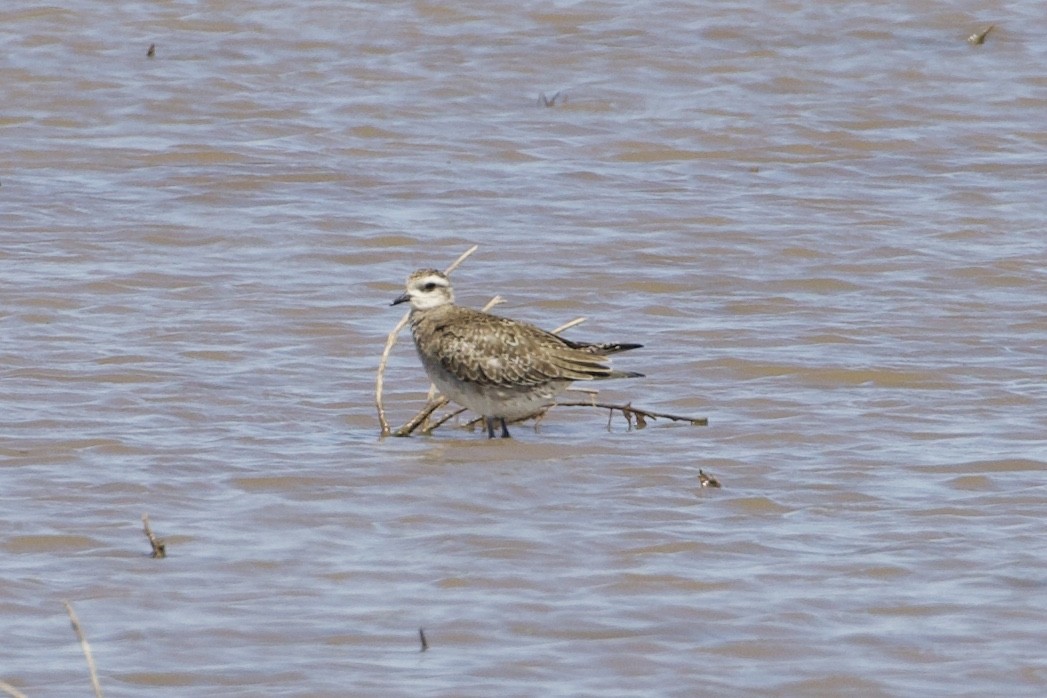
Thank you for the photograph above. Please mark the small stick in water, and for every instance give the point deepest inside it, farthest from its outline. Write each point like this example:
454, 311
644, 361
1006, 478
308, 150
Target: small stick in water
548, 101
640, 415
978, 38
11, 690
152, 51
421, 636
707, 480
159, 547
86, 648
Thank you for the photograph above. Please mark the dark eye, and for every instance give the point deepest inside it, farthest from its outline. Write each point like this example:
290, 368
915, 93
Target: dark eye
429, 286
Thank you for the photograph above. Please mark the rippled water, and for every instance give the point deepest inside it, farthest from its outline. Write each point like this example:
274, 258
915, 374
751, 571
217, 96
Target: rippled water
824, 221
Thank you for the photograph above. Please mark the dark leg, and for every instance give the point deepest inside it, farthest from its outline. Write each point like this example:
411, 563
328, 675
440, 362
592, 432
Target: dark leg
505, 429
489, 421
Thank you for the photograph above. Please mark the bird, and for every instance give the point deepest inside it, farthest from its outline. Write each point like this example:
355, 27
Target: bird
500, 368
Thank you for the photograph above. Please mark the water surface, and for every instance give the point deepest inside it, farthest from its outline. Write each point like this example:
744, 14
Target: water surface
824, 222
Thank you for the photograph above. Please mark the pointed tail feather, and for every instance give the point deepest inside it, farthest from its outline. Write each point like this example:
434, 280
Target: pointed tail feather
603, 348
625, 374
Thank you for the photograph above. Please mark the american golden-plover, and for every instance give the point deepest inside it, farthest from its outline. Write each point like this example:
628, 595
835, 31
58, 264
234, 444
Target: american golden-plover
502, 369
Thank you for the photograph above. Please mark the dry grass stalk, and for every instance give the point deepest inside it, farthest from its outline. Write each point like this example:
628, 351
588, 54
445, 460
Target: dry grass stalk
422, 417
446, 418
86, 648
11, 690
391, 340
636, 417
159, 546
568, 325
635, 414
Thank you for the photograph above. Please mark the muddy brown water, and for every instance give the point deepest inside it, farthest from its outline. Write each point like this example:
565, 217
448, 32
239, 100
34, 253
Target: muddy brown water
824, 221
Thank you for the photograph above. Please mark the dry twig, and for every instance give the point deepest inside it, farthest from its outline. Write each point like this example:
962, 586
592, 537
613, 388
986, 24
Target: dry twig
635, 414
11, 690
421, 636
549, 101
433, 405
978, 38
159, 546
86, 648
568, 325
446, 418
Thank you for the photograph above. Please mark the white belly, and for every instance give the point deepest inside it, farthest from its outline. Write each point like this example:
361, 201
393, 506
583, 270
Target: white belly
492, 400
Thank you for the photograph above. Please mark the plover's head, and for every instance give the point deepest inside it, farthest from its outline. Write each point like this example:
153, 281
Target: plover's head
427, 288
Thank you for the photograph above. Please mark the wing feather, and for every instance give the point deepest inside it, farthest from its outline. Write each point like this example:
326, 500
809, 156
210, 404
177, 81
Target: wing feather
491, 350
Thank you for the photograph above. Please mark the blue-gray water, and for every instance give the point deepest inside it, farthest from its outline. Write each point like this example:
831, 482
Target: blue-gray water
825, 222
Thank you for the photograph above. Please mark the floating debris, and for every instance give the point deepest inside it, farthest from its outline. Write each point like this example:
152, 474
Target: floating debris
151, 52
159, 547
549, 101
707, 480
421, 636
978, 38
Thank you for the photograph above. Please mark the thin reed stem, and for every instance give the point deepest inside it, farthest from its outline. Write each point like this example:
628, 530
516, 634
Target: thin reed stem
86, 648
11, 690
